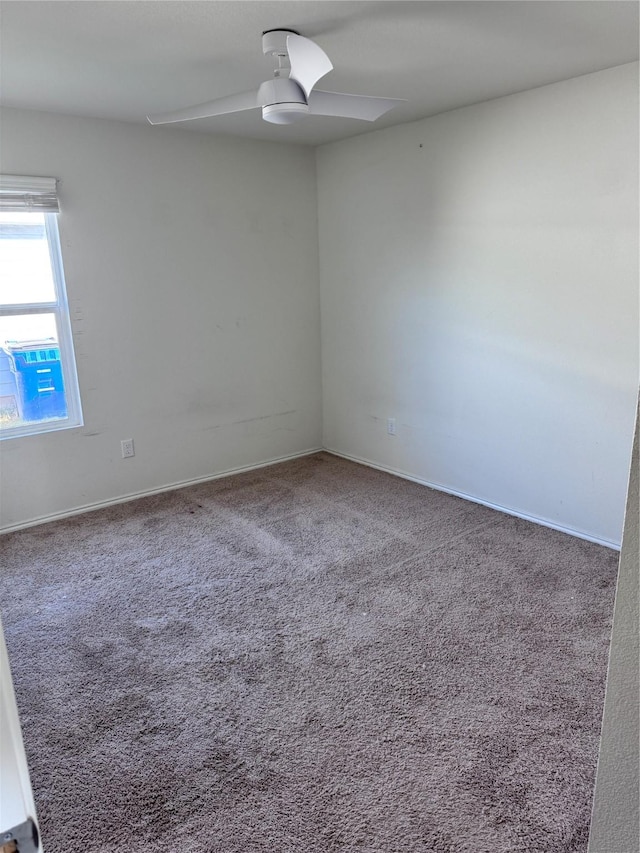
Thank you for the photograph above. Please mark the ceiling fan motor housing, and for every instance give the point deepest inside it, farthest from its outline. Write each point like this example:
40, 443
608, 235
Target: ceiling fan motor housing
282, 101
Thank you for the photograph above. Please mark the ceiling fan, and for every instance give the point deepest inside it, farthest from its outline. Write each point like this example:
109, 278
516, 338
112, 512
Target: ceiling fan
290, 95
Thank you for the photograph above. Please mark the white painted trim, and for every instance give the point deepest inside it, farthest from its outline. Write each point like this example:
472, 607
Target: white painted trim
396, 472
541, 521
57, 516
15, 785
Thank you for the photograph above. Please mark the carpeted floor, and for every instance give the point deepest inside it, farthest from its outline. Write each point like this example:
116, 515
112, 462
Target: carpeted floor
309, 658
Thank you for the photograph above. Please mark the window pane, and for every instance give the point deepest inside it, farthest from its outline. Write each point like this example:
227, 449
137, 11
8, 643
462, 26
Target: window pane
31, 383
25, 266
27, 327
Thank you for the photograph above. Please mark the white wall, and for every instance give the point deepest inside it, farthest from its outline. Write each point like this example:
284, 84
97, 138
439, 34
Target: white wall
192, 335
616, 805
478, 276
479, 283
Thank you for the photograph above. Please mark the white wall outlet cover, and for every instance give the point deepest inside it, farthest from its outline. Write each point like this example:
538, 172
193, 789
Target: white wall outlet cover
127, 448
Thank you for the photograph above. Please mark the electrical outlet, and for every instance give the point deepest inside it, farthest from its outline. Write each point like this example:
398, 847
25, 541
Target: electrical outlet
127, 448
391, 426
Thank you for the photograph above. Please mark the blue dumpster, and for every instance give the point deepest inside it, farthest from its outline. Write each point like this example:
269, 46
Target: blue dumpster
38, 371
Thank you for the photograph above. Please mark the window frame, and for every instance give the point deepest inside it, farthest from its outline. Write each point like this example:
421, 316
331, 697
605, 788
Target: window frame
60, 310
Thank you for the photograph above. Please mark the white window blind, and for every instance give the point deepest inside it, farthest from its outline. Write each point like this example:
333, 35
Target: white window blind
25, 194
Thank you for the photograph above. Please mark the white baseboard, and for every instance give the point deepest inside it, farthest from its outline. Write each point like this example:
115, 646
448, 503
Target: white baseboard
438, 487
56, 516
230, 472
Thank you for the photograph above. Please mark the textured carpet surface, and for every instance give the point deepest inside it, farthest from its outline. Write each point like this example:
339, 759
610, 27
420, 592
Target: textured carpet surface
308, 658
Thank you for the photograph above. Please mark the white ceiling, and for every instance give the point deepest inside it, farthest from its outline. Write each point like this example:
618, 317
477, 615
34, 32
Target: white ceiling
122, 59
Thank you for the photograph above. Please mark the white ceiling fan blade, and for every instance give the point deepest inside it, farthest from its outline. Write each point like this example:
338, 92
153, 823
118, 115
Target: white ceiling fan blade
308, 61
221, 106
350, 106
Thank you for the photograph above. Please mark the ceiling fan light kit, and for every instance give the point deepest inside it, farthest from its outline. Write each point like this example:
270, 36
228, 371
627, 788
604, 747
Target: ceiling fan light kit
290, 95
284, 113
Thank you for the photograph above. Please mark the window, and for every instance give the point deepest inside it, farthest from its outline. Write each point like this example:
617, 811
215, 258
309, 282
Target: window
38, 381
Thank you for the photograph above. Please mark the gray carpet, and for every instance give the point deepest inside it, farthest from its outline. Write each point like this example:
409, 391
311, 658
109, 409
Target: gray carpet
309, 658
